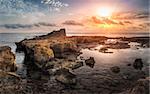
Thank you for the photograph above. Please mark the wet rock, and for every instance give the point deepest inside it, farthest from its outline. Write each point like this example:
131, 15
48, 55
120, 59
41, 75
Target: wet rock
8, 78
90, 62
138, 64
72, 65
129, 64
118, 45
65, 77
20, 46
7, 59
103, 50
9, 82
115, 69
60, 49
39, 55
141, 87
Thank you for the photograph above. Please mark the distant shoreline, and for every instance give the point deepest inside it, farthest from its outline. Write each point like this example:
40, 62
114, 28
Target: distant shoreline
114, 35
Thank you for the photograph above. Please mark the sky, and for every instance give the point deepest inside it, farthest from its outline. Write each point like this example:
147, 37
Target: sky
77, 16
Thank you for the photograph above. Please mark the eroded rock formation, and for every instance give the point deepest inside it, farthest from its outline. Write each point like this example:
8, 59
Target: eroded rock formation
7, 59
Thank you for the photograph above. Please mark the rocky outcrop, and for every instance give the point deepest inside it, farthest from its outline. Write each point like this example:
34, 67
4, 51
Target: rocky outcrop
60, 49
52, 37
90, 62
140, 87
10, 83
65, 77
138, 64
115, 69
39, 55
9, 80
7, 59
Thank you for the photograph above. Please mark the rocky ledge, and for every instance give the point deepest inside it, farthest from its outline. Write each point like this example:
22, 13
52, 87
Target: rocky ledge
54, 54
9, 80
7, 59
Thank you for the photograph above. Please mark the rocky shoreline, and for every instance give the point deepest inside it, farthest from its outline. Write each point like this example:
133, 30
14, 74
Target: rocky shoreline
53, 67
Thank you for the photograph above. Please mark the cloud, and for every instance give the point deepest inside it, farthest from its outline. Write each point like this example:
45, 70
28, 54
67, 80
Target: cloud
27, 6
17, 6
54, 3
23, 26
96, 20
72, 22
131, 15
144, 25
15, 26
44, 24
128, 22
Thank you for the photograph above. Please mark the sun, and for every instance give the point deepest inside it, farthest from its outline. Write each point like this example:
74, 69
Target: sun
104, 12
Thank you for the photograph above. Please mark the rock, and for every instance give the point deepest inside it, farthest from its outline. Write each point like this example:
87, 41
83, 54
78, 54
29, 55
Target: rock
118, 45
20, 46
90, 62
65, 77
8, 81
129, 64
7, 59
60, 49
77, 65
59, 33
115, 69
103, 50
141, 87
39, 55
72, 65
138, 64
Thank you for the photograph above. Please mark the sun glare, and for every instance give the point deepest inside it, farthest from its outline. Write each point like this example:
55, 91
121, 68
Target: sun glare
104, 12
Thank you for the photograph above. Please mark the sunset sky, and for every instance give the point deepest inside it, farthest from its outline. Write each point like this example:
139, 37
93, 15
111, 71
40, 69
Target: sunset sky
77, 16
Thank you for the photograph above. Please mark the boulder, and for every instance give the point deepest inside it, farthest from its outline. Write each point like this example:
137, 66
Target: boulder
90, 62
138, 64
39, 54
72, 65
7, 59
141, 87
64, 76
103, 50
61, 48
115, 69
9, 82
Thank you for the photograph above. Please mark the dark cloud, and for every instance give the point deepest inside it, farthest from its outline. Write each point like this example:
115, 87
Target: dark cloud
72, 22
128, 22
44, 24
22, 26
15, 26
144, 25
